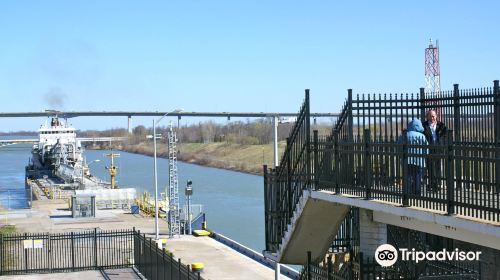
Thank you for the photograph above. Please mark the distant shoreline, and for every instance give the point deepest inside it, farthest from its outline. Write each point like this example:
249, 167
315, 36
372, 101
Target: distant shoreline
247, 159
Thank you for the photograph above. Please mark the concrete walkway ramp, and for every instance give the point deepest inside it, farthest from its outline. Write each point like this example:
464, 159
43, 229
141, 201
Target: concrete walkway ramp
313, 228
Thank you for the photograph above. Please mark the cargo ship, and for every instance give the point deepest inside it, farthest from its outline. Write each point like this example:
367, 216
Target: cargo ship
57, 168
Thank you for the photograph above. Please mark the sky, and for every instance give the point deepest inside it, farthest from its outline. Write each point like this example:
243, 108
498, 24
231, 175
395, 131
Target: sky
248, 56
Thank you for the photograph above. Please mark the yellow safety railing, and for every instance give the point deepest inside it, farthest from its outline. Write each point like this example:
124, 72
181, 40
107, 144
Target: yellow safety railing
147, 206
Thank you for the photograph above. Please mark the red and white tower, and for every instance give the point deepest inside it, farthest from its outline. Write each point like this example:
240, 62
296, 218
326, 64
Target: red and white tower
432, 72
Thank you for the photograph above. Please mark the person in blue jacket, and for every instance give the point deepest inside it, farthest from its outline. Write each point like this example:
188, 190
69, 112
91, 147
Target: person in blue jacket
416, 160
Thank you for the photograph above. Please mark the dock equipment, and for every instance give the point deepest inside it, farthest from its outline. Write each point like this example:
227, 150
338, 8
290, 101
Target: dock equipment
112, 168
197, 267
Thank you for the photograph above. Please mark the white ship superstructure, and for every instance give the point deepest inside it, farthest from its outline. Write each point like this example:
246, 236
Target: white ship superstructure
57, 153
57, 169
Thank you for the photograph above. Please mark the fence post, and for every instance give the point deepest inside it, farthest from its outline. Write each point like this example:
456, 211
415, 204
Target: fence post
308, 142
329, 267
422, 103
72, 251
361, 266
349, 114
137, 238
163, 261
26, 255
496, 94
404, 162
316, 160
496, 98
95, 248
350, 138
171, 265
450, 182
367, 163
179, 268
336, 159
309, 265
157, 262
456, 112
266, 208
288, 179
49, 251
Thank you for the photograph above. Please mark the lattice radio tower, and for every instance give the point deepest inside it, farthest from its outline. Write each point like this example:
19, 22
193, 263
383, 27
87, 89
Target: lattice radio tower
432, 71
174, 225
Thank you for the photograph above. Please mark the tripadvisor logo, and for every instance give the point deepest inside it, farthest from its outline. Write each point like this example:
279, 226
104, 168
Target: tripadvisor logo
387, 255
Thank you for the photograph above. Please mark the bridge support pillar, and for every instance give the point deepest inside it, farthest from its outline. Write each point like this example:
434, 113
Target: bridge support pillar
371, 233
129, 127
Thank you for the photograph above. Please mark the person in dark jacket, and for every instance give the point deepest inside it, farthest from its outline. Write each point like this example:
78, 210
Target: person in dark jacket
416, 161
434, 131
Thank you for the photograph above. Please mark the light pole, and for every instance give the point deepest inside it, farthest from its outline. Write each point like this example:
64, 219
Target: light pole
189, 193
83, 171
157, 136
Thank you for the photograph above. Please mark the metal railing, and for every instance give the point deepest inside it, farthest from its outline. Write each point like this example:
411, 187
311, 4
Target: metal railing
60, 252
368, 155
155, 263
455, 178
27, 253
283, 186
366, 268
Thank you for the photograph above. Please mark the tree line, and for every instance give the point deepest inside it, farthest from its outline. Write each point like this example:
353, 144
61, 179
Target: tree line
249, 132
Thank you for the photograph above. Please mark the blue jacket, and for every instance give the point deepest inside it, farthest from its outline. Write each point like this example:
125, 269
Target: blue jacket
415, 136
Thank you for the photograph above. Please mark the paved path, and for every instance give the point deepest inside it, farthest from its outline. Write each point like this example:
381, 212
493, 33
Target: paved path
220, 261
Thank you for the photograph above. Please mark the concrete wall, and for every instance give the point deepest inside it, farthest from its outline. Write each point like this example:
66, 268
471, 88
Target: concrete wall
372, 234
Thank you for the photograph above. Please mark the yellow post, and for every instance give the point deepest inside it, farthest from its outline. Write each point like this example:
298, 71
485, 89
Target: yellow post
112, 169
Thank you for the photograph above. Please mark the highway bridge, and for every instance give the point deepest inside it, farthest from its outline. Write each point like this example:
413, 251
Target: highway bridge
72, 114
277, 117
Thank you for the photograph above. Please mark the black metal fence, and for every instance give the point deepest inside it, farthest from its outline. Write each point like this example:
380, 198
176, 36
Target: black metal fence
154, 263
345, 261
406, 238
45, 252
88, 250
283, 186
368, 155
347, 238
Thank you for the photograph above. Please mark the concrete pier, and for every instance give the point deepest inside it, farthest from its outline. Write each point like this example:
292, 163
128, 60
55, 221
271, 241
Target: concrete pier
220, 261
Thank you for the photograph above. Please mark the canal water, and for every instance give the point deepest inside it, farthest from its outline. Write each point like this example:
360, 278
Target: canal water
232, 201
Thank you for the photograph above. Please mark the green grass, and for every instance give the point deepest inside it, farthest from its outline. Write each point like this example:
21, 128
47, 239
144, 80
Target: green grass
245, 158
8, 229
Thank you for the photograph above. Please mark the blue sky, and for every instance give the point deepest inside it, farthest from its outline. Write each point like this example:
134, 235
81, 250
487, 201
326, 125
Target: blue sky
231, 55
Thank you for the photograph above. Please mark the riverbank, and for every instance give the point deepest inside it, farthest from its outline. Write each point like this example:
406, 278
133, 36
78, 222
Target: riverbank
236, 157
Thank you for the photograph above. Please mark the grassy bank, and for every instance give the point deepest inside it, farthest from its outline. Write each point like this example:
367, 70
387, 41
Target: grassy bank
7, 229
239, 157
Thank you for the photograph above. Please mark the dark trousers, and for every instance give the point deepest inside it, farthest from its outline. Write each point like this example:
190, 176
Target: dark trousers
434, 173
414, 179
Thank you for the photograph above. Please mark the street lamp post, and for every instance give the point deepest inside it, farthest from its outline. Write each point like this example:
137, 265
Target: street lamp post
189, 193
156, 136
